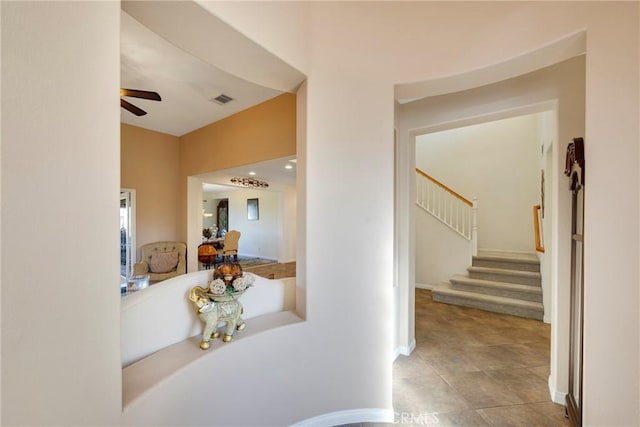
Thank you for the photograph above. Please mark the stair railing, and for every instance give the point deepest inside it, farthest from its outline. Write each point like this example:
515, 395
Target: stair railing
536, 228
449, 207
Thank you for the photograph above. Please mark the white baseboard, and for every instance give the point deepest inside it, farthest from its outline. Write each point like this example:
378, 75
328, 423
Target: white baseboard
372, 415
257, 256
269, 258
405, 350
556, 396
509, 251
424, 286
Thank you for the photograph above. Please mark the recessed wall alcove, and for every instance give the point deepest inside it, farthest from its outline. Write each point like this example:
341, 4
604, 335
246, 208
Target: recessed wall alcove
153, 363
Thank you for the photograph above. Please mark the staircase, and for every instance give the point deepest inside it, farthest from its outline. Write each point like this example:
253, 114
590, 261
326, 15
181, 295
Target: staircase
501, 282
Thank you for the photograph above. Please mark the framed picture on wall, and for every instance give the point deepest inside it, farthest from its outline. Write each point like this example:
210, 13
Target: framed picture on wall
253, 210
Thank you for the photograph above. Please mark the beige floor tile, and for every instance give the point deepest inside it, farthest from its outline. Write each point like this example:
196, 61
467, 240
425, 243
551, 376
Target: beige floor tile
431, 347
517, 415
452, 361
465, 418
426, 394
274, 271
486, 335
473, 368
496, 357
553, 411
480, 390
411, 366
537, 347
541, 371
523, 383
518, 335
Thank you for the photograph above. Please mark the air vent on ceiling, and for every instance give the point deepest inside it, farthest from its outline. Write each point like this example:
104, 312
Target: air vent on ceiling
221, 99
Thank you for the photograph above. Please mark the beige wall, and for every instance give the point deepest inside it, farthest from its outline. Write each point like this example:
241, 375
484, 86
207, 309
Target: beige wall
60, 179
149, 164
264, 132
156, 164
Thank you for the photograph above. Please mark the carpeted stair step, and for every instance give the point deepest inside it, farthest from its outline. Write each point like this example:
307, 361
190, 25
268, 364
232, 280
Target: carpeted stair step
447, 294
531, 278
500, 289
507, 261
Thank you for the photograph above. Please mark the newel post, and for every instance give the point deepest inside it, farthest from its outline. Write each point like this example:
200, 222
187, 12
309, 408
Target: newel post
474, 227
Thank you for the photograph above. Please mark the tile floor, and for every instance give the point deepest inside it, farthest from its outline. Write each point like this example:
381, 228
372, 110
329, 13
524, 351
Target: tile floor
470, 367
474, 368
274, 271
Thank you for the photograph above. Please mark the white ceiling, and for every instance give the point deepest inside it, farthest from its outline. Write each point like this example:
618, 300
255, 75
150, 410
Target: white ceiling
185, 83
188, 56
272, 171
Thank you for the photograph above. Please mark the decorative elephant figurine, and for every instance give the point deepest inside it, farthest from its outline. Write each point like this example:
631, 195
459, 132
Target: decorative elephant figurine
213, 309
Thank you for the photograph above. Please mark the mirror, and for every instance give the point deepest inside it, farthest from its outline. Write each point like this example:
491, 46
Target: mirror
253, 212
223, 217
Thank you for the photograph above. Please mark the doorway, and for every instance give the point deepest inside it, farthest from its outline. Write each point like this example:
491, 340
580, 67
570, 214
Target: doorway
499, 162
559, 89
272, 235
127, 232
415, 122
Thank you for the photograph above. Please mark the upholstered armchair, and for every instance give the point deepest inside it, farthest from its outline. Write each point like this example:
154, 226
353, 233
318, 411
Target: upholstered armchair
230, 246
161, 260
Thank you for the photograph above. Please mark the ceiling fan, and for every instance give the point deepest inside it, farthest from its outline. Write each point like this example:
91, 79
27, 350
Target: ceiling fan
143, 94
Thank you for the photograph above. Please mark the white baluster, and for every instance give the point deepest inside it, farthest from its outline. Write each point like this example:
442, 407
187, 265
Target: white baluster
449, 209
474, 230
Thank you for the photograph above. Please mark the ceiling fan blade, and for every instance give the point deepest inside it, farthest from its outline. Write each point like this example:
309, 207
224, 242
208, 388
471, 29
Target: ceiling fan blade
144, 94
132, 108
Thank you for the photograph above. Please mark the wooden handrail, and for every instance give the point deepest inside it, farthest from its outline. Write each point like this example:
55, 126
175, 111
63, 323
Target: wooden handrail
444, 187
536, 228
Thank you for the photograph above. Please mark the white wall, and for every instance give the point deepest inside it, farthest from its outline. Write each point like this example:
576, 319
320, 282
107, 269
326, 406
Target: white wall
259, 238
440, 251
612, 251
341, 354
60, 186
273, 236
505, 223
164, 307
300, 201
548, 138
497, 162
288, 224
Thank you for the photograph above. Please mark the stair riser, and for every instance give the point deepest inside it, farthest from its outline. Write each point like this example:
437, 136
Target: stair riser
489, 290
483, 305
507, 265
505, 278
